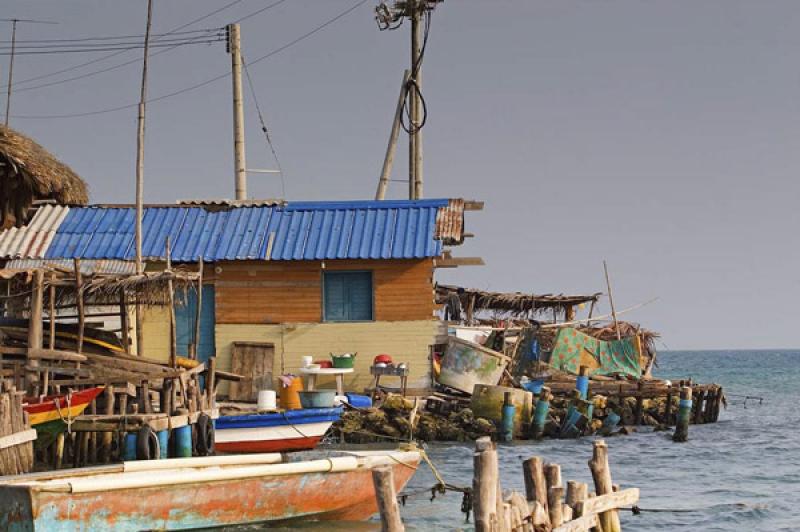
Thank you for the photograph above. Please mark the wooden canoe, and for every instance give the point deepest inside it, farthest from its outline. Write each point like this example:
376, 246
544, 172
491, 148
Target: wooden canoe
186, 493
274, 432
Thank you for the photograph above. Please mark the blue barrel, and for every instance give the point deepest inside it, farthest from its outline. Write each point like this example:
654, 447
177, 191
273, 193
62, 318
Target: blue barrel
582, 385
183, 441
507, 432
540, 416
163, 443
129, 451
611, 421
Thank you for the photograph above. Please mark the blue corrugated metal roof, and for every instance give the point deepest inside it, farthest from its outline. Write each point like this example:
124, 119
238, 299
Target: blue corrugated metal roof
397, 229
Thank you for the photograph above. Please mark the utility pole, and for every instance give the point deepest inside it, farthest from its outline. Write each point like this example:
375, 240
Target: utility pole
140, 176
14, 22
240, 166
391, 18
416, 7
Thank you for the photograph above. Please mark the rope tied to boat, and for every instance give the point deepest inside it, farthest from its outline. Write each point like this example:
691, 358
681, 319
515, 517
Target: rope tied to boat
68, 400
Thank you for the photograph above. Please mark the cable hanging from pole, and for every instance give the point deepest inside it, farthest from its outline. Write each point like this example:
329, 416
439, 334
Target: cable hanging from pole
264, 126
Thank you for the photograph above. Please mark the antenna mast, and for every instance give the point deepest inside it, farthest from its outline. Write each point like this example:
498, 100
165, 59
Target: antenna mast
14, 22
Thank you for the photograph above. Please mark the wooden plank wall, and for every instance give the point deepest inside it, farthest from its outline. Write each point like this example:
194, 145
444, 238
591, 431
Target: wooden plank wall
291, 291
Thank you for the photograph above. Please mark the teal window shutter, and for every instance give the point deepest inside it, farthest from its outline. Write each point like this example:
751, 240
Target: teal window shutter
347, 296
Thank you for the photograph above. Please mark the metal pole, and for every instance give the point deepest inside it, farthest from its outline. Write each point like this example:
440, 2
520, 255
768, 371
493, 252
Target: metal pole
140, 176
240, 167
388, 160
11, 67
412, 103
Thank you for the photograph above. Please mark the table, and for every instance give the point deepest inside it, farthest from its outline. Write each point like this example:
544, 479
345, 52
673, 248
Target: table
339, 373
389, 371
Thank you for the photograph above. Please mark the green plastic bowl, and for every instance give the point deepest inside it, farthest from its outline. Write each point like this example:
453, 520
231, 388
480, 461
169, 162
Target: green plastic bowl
343, 362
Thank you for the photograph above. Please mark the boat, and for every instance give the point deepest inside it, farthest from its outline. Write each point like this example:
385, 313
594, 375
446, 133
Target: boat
187, 493
290, 430
49, 414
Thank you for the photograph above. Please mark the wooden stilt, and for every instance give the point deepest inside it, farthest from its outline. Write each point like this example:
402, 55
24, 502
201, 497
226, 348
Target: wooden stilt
603, 484
383, 479
535, 483
484, 486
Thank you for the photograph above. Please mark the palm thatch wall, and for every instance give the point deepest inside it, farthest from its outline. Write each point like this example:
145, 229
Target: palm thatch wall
28, 172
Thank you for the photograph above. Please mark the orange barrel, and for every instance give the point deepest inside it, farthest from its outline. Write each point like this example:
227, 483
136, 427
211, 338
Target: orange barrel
290, 398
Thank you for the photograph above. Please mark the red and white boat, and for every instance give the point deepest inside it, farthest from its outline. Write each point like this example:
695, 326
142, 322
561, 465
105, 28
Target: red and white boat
290, 430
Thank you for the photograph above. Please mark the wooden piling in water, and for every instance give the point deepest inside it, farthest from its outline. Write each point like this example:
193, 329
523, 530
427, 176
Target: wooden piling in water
603, 485
535, 483
684, 413
386, 496
698, 406
484, 486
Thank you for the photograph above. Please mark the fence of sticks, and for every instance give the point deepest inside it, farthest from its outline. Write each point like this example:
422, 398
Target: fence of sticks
546, 506
16, 435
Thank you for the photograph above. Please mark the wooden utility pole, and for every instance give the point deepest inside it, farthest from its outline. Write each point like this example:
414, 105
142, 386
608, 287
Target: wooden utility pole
388, 160
240, 167
140, 176
417, 8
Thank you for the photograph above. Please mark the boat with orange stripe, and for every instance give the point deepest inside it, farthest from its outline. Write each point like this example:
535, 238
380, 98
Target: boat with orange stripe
49, 414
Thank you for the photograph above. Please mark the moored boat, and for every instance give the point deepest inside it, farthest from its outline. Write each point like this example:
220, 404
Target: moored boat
49, 414
290, 430
187, 493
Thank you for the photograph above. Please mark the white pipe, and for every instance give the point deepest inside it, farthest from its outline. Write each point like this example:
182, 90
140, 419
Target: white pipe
204, 461
183, 476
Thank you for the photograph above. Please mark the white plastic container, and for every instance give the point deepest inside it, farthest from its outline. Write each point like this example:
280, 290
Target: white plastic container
307, 361
339, 400
267, 400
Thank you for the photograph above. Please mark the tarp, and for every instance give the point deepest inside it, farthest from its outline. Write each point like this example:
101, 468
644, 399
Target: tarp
617, 357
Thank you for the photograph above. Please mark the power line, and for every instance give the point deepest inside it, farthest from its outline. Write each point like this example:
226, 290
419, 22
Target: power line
104, 38
106, 48
206, 82
264, 127
114, 54
259, 11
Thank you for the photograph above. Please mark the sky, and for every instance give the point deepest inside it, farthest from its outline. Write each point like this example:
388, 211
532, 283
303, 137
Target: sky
662, 137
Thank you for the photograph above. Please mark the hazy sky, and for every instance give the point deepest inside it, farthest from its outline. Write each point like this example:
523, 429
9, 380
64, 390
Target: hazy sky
661, 136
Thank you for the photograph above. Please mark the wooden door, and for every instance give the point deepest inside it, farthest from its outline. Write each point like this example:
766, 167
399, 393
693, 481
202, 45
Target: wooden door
254, 362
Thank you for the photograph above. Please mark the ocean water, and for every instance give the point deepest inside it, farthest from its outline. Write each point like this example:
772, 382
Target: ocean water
742, 473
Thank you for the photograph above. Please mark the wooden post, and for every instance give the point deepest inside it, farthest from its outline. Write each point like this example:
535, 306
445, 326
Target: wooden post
577, 492
552, 474
93, 436
611, 302
35, 332
198, 312
211, 382
391, 149
106, 439
173, 342
698, 406
554, 496
668, 408
684, 413
484, 485
535, 483
603, 484
59, 458
383, 479
52, 312
79, 301
639, 403
123, 320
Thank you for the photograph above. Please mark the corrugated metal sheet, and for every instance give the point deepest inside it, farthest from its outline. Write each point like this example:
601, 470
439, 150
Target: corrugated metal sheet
87, 266
33, 239
297, 231
450, 222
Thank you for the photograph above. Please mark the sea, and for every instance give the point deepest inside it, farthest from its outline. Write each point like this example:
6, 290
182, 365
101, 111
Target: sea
739, 474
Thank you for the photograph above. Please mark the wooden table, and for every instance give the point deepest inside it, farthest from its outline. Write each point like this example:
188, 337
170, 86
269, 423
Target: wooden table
339, 373
389, 371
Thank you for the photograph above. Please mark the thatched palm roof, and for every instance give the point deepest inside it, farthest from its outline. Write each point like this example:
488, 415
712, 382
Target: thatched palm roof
29, 172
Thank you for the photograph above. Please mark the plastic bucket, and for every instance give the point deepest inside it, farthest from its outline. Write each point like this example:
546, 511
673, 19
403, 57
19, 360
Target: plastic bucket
318, 399
290, 400
267, 400
342, 361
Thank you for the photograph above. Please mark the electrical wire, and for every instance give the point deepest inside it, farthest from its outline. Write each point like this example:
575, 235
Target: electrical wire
113, 48
22, 42
259, 11
412, 87
206, 82
264, 127
113, 54
122, 42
